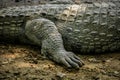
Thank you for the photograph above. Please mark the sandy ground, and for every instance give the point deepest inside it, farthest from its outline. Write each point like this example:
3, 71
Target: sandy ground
20, 62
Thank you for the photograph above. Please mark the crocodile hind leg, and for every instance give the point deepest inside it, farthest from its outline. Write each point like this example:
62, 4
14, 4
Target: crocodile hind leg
44, 32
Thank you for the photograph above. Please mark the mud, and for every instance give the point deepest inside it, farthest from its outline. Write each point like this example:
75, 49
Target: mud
21, 62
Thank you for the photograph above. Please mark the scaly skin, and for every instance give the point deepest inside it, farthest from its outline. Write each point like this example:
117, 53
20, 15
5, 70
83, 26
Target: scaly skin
83, 28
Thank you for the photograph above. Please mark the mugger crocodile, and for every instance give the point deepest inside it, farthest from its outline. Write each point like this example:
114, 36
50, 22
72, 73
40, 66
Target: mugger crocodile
61, 29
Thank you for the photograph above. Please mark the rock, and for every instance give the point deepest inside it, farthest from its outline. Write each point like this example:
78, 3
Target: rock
96, 78
108, 60
116, 72
94, 60
60, 76
103, 72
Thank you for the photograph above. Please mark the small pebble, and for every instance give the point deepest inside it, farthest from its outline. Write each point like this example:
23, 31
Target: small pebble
103, 72
60, 75
116, 72
93, 60
96, 78
108, 61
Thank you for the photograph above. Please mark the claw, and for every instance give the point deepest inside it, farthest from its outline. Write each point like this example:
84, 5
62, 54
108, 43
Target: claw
77, 61
66, 63
76, 57
68, 59
81, 62
75, 65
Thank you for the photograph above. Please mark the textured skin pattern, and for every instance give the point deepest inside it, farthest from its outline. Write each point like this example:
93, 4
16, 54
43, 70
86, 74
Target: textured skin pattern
92, 27
85, 27
89, 27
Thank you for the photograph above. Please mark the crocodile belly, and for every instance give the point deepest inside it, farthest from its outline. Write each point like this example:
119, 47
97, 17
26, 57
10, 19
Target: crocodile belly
93, 28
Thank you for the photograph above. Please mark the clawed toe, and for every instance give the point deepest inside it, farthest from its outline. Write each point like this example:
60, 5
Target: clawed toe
68, 59
72, 61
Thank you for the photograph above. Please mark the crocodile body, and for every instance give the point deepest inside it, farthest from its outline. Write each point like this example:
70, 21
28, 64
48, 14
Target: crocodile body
84, 28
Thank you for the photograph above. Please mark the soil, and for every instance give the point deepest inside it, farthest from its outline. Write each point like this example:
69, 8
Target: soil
21, 62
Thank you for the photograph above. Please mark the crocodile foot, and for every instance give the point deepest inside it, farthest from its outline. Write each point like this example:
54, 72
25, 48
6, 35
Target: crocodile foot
68, 59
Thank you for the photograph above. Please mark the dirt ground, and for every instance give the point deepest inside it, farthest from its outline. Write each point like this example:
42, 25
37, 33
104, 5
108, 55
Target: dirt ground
21, 62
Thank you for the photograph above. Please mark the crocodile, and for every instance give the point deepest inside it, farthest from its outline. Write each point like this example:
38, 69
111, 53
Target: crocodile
60, 30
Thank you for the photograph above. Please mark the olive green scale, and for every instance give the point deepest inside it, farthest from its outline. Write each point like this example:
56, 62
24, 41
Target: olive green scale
11, 27
85, 27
